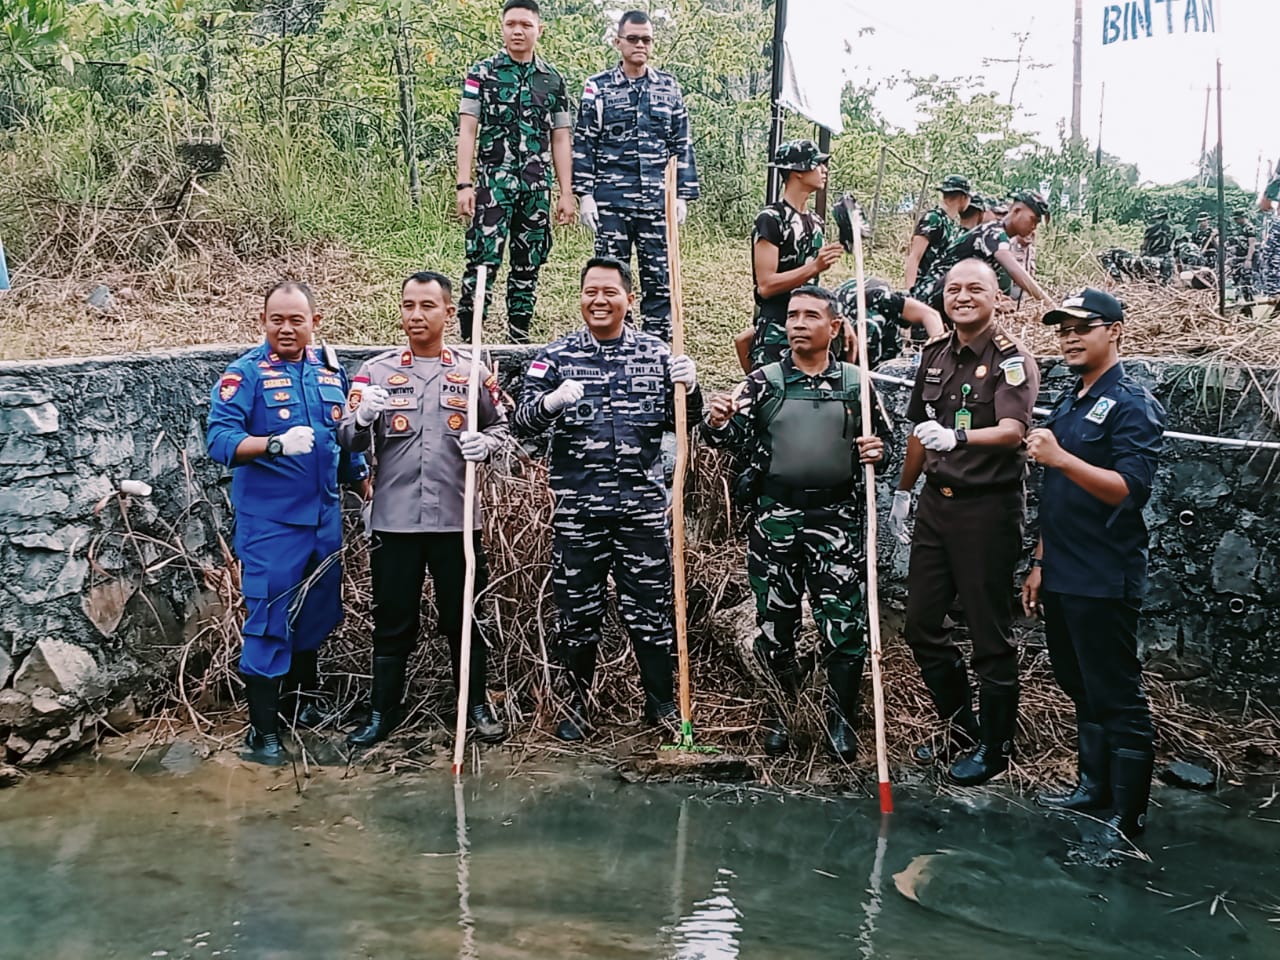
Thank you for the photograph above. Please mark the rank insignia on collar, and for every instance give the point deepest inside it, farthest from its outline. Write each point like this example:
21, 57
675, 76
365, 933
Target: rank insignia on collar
1015, 373
1100, 410
446, 357
406, 358
312, 356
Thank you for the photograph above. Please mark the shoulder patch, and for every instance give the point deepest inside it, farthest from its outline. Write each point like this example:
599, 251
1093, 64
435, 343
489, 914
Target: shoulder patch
538, 369
1015, 373
406, 358
446, 357
1004, 343
590, 90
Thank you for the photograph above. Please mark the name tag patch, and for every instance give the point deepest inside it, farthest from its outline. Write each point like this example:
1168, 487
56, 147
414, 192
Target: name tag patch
276, 383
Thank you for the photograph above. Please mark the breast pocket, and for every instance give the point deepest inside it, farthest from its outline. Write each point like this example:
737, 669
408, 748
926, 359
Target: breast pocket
619, 121
334, 403
648, 397
283, 408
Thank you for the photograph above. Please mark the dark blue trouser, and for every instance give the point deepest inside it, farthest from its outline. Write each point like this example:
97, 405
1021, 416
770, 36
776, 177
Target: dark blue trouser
1093, 646
288, 609
618, 232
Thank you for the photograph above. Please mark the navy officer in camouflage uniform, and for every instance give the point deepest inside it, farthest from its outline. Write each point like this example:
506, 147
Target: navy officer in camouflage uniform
1270, 203
275, 417
410, 407
787, 248
802, 418
937, 229
631, 120
515, 125
606, 394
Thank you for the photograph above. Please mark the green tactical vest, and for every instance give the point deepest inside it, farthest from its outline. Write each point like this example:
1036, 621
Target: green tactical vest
810, 434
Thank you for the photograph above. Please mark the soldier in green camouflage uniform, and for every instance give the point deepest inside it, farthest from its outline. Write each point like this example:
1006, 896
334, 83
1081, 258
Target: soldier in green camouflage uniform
1270, 255
937, 229
515, 120
787, 248
802, 421
1241, 245
1205, 241
1157, 244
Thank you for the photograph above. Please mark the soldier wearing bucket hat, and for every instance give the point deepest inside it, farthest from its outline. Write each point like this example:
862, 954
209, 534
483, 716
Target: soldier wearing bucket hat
990, 242
787, 247
1099, 449
937, 229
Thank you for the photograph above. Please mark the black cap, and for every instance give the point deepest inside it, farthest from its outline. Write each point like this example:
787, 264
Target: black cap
955, 183
1088, 304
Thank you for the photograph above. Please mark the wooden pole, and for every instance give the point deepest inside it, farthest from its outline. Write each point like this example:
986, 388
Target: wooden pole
682, 460
468, 524
875, 203
869, 482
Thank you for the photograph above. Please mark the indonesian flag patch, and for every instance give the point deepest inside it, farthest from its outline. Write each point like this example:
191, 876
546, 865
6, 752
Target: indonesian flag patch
471, 88
589, 90
538, 368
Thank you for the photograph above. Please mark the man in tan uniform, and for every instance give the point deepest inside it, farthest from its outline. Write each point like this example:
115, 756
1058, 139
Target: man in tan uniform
411, 406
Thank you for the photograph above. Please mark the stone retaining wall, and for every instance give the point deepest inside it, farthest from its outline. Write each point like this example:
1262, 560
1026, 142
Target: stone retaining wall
101, 590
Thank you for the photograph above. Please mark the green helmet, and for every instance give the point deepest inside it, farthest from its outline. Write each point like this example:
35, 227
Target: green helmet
799, 155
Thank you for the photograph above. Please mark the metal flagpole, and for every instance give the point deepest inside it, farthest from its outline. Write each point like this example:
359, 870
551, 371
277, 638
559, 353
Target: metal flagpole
773, 187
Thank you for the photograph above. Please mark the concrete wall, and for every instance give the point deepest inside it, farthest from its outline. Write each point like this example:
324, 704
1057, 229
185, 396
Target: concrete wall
101, 591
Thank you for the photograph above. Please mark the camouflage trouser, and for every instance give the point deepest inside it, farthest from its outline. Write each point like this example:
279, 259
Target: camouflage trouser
525, 214
1271, 261
1240, 272
818, 549
635, 549
619, 230
769, 342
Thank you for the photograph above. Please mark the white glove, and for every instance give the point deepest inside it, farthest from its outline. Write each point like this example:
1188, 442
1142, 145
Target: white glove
934, 436
568, 392
684, 371
898, 516
682, 210
373, 400
474, 446
588, 213
297, 441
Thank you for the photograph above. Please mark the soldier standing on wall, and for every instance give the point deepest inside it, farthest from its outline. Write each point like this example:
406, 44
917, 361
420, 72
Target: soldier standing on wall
802, 420
410, 407
937, 229
606, 394
274, 419
515, 125
972, 405
1099, 447
632, 119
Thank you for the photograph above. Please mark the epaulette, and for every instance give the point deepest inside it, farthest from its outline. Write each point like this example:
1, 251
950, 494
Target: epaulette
945, 335
446, 357
392, 354
406, 357
1004, 343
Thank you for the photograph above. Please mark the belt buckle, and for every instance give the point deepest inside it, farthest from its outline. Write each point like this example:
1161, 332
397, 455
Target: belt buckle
947, 492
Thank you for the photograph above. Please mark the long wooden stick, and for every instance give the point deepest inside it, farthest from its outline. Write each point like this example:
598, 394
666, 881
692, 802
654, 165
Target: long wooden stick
869, 482
682, 459
468, 522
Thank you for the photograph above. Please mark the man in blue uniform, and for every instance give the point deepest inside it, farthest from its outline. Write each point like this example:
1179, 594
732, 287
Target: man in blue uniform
1099, 448
631, 121
606, 393
274, 418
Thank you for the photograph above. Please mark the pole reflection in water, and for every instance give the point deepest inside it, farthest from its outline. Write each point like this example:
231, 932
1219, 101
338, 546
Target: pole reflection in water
711, 930
467, 950
871, 908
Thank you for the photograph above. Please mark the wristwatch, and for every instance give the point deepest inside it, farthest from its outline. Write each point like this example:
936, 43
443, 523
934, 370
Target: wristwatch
962, 435
1036, 562
465, 185
275, 446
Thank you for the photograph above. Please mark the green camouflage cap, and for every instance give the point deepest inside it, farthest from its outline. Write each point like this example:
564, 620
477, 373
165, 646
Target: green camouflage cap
977, 204
1202, 215
955, 183
799, 155
1032, 199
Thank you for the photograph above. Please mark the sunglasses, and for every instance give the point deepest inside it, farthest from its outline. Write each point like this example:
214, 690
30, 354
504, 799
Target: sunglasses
1080, 328
636, 41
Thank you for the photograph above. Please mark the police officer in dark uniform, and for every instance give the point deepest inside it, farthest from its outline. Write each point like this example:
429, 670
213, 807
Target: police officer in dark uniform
971, 404
274, 419
409, 405
606, 394
1100, 448
802, 418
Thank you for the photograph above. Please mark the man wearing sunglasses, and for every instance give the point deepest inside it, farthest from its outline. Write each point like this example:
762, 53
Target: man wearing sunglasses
1099, 448
631, 121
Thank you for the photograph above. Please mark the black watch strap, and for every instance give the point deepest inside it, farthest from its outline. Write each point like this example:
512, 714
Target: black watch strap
962, 435
274, 446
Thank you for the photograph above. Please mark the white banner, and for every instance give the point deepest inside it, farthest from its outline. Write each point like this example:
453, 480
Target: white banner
1143, 20
817, 45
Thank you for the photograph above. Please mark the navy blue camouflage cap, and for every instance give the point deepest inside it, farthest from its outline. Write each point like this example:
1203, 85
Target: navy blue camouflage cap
955, 183
1032, 199
799, 155
1088, 304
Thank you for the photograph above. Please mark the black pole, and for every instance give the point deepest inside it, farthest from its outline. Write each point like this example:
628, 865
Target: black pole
1097, 154
1222, 212
773, 188
820, 201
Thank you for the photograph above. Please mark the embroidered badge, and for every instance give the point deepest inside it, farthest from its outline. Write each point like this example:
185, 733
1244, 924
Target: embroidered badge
329, 381
456, 377
981, 371
276, 383
406, 358
1015, 373
336, 412
281, 395
454, 421
400, 402
933, 375
353, 399
1100, 410
399, 423
460, 402
396, 379
446, 356
227, 389
284, 413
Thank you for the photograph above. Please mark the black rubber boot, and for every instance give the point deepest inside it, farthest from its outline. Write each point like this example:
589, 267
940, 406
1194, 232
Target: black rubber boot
262, 742
777, 738
580, 668
998, 722
384, 702
1130, 791
655, 679
1093, 792
844, 696
301, 701
948, 685
486, 726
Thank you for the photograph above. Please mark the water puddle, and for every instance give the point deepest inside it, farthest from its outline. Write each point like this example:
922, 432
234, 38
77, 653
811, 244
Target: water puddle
193, 858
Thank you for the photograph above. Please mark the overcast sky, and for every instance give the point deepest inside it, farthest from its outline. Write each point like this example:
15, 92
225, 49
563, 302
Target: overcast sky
1155, 87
